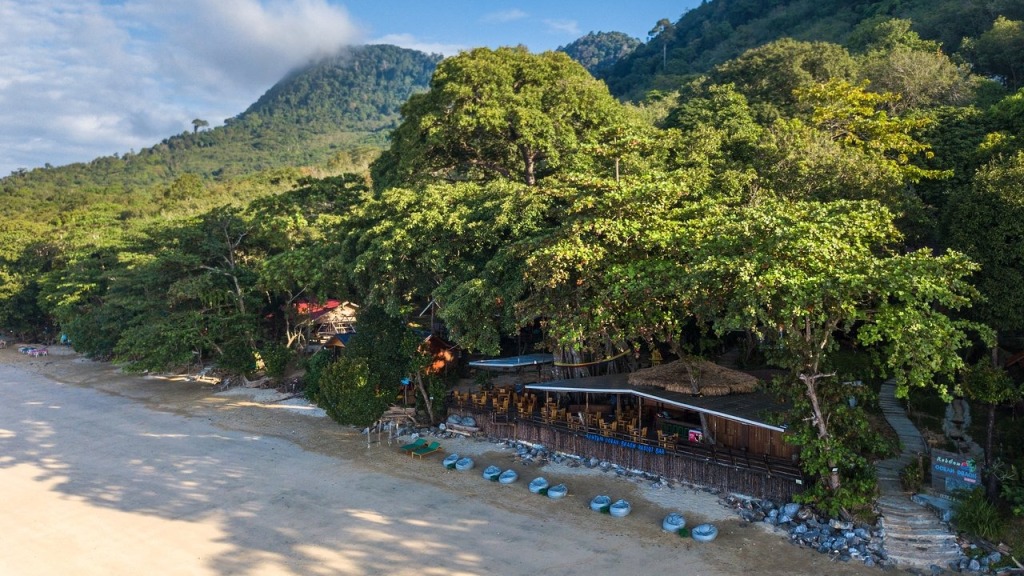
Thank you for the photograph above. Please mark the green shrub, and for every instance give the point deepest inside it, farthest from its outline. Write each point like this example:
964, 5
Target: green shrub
275, 359
314, 369
974, 514
349, 394
912, 476
1011, 482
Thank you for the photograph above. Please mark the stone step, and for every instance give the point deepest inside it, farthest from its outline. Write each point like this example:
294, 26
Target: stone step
918, 533
924, 561
905, 521
914, 536
923, 552
907, 547
899, 504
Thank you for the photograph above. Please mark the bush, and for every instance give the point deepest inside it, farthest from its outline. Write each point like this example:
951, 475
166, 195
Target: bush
974, 514
275, 359
348, 392
1011, 481
912, 476
314, 369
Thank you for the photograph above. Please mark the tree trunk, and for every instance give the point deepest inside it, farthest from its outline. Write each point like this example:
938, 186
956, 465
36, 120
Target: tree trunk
832, 477
426, 397
991, 482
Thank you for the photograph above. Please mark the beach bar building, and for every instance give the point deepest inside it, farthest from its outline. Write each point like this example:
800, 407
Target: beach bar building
689, 420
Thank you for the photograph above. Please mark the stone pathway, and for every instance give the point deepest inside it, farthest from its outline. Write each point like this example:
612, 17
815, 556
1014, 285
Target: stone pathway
915, 537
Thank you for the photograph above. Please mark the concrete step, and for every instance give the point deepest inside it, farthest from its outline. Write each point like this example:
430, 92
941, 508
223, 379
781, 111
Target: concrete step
914, 536
924, 560
919, 534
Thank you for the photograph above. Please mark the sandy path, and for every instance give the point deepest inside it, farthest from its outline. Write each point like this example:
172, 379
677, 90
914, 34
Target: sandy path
102, 473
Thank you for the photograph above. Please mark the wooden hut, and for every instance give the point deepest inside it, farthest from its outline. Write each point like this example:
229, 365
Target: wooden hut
334, 317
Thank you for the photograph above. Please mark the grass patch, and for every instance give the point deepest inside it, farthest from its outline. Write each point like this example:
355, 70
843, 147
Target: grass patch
1013, 536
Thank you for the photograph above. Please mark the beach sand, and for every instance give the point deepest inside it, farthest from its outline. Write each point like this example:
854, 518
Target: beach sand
107, 473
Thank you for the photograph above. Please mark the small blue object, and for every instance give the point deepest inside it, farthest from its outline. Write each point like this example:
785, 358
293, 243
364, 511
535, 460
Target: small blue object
492, 472
538, 484
704, 533
600, 502
620, 508
557, 491
673, 522
406, 381
508, 476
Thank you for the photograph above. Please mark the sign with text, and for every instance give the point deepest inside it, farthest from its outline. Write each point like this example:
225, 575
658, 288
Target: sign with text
952, 471
626, 444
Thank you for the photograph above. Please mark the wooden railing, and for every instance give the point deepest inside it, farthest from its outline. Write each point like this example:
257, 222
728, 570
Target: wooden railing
759, 476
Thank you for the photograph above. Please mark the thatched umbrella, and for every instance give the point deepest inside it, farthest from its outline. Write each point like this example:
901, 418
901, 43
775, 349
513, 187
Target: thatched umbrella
695, 376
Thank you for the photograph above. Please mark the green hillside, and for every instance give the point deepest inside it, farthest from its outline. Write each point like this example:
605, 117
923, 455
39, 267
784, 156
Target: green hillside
334, 113
599, 51
718, 31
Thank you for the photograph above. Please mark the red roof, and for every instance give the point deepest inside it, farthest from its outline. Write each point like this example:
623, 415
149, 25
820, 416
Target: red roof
316, 309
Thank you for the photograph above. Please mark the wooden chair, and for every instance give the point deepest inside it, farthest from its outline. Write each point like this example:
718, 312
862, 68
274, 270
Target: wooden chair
572, 421
667, 440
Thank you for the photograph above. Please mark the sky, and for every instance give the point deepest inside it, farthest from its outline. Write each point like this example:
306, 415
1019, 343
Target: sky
81, 79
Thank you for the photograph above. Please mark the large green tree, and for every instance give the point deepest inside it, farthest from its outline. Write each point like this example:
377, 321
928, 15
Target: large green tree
502, 113
986, 221
800, 275
998, 50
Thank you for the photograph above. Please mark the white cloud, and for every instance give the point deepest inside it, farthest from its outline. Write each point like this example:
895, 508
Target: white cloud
413, 43
504, 16
83, 79
566, 27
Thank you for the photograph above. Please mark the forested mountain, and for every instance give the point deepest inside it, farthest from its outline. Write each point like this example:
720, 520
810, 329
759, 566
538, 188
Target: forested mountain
717, 31
599, 51
334, 113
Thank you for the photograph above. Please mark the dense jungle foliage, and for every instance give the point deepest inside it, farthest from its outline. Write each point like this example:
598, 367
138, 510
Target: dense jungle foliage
716, 32
599, 51
817, 196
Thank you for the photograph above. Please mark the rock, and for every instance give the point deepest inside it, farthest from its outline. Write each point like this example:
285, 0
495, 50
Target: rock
869, 561
791, 510
974, 565
840, 525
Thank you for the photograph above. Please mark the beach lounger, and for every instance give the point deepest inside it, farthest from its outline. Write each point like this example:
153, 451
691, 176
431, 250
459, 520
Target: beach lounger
419, 443
428, 449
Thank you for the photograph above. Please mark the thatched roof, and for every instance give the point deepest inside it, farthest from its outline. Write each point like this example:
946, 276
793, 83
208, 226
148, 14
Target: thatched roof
682, 375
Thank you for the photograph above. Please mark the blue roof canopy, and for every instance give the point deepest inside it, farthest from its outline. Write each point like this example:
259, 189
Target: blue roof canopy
513, 362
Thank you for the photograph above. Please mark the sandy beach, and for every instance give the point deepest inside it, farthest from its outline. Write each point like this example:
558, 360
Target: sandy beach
107, 473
